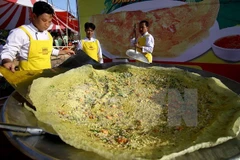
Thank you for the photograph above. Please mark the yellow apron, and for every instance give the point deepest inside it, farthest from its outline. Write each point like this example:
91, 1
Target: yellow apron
39, 54
142, 42
91, 49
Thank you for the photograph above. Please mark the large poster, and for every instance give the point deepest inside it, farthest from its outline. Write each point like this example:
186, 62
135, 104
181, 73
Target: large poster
199, 31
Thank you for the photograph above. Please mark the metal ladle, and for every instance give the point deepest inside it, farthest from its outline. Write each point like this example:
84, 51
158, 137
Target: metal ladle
27, 129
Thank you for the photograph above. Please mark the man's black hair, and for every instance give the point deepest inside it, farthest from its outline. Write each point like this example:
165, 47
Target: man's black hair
89, 25
41, 7
146, 22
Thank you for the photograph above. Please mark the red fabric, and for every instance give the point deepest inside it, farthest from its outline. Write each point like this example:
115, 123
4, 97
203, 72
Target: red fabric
13, 1
226, 70
33, 1
3, 25
23, 13
66, 19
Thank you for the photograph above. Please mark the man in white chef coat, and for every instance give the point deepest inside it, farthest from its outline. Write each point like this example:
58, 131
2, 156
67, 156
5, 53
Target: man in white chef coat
32, 43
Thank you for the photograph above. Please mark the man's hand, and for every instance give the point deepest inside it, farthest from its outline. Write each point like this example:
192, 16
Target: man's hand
138, 46
7, 63
66, 51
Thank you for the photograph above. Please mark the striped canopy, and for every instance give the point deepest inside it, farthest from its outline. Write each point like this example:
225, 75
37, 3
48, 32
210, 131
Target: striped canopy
14, 13
57, 28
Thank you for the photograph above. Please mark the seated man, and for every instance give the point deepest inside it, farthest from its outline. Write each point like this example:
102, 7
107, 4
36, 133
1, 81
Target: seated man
145, 43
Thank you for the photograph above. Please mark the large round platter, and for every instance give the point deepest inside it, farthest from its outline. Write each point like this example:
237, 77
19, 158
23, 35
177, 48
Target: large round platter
52, 147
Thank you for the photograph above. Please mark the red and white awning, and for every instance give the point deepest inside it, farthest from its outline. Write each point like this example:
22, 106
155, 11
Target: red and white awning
27, 3
14, 13
57, 28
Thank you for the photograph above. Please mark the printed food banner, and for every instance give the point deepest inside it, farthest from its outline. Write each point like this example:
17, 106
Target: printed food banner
205, 31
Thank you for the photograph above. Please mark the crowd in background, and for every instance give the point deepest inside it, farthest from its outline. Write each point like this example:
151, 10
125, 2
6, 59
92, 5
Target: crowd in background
64, 39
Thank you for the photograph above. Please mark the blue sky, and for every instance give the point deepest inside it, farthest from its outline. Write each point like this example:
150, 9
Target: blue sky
62, 4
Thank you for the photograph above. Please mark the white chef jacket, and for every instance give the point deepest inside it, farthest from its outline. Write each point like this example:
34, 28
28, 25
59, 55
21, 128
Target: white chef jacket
18, 43
80, 46
149, 43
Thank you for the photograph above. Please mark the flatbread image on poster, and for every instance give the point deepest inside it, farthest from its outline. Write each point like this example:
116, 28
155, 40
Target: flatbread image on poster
182, 31
123, 112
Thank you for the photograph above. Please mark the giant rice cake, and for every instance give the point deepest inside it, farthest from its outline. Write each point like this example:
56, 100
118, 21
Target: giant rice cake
122, 112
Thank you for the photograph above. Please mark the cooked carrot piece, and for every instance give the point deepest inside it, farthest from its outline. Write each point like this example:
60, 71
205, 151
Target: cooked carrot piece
104, 131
